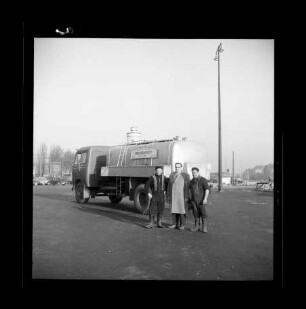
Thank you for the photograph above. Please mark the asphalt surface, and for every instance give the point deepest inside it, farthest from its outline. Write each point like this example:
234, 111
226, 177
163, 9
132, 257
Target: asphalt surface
100, 240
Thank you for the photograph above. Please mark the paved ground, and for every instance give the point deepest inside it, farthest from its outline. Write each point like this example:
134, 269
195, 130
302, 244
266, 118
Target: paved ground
103, 241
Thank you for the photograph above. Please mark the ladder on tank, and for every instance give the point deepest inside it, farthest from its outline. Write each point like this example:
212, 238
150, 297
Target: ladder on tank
122, 155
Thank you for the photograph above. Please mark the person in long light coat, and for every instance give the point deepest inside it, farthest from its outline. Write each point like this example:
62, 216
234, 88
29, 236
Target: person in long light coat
178, 196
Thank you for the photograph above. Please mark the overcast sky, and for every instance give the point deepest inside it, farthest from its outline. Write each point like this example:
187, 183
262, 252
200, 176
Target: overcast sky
91, 91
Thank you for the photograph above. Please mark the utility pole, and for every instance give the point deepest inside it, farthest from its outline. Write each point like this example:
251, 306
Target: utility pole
217, 58
233, 169
241, 170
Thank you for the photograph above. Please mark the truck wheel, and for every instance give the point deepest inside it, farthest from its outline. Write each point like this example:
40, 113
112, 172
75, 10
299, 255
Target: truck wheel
141, 200
79, 194
114, 199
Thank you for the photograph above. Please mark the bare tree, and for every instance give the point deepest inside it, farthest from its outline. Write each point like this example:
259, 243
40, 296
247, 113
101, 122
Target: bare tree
67, 160
55, 160
56, 153
42, 159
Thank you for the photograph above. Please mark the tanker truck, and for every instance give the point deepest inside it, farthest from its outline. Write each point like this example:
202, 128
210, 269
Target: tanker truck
122, 171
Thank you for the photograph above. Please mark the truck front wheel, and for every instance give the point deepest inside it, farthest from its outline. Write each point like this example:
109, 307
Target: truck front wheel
141, 200
79, 196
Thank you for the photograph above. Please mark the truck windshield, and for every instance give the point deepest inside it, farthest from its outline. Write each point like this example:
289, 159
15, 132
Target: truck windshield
80, 158
77, 158
83, 157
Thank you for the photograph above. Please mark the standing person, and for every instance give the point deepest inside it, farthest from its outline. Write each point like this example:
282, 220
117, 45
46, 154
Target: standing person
270, 183
178, 196
199, 192
157, 184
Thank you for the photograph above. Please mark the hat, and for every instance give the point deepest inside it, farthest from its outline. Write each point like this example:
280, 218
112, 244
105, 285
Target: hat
156, 167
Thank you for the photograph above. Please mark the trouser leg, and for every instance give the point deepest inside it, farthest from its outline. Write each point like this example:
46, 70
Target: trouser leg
204, 225
159, 223
174, 219
196, 217
178, 220
182, 219
196, 225
151, 224
174, 223
160, 209
195, 213
203, 215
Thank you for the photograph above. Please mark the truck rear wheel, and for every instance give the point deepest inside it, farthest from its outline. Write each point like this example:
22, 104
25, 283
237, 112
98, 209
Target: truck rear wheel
114, 199
79, 196
141, 200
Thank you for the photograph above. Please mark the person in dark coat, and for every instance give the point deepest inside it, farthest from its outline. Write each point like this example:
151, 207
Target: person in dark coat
156, 188
199, 192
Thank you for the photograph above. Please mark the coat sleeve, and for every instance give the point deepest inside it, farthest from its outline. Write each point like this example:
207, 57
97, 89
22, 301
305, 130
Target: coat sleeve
148, 185
205, 186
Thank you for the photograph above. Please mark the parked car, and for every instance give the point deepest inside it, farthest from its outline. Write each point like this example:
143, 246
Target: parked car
67, 179
53, 182
41, 181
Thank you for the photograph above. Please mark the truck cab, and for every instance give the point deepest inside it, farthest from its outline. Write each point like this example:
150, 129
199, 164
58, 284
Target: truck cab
86, 171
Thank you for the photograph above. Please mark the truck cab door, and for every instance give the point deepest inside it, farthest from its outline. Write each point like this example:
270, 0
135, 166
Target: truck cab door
75, 168
79, 167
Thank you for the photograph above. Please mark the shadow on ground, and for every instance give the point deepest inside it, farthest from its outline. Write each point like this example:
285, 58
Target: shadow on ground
123, 213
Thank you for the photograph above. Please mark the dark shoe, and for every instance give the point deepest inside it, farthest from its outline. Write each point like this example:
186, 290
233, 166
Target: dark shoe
160, 226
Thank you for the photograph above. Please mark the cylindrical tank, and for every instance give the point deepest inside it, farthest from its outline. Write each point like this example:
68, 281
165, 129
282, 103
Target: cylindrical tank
151, 154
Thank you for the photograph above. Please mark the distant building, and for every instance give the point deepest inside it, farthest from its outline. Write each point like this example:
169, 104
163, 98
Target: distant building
226, 177
46, 169
55, 168
258, 169
269, 171
259, 172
